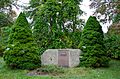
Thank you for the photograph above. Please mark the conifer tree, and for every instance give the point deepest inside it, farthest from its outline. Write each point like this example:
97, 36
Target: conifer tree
22, 52
92, 45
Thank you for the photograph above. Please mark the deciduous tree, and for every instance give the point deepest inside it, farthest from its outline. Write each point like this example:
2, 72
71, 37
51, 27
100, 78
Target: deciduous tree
109, 8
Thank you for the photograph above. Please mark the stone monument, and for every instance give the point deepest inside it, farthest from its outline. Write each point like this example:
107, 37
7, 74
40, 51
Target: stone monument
61, 57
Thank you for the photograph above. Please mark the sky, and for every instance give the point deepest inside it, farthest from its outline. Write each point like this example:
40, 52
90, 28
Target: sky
84, 7
21, 2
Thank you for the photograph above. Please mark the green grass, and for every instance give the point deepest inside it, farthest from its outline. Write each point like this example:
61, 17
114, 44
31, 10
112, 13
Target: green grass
113, 72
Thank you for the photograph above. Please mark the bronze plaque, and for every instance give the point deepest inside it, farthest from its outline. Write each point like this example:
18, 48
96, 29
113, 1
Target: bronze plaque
63, 58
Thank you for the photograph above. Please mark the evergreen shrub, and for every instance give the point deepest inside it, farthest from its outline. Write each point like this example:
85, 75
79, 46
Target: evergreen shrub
112, 43
22, 51
92, 45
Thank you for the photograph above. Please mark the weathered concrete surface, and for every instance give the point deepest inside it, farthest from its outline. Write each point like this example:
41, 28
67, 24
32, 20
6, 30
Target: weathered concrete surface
50, 57
74, 57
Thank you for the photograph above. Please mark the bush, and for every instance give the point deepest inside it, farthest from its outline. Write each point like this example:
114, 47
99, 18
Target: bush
5, 35
22, 52
112, 43
92, 45
59, 40
51, 69
5, 31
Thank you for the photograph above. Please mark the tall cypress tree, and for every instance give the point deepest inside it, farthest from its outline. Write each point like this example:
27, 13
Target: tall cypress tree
92, 45
22, 51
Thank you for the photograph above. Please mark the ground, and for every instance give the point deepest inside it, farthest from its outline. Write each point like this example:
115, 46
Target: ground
113, 72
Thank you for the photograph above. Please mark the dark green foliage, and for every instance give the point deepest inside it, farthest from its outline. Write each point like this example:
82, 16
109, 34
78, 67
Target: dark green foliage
112, 43
5, 31
49, 20
74, 38
22, 51
94, 54
56, 13
51, 69
5, 3
58, 40
61, 40
1, 51
116, 18
4, 20
55, 39
4, 34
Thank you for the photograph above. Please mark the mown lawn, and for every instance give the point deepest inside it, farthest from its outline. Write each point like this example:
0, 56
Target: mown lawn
113, 72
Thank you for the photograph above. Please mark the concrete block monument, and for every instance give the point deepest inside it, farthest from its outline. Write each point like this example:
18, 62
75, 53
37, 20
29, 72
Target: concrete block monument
61, 57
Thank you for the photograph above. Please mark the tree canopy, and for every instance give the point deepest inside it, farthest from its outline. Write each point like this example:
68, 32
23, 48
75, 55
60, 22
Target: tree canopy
109, 8
57, 12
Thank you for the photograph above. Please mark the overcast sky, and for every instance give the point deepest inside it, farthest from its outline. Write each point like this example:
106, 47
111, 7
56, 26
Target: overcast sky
85, 7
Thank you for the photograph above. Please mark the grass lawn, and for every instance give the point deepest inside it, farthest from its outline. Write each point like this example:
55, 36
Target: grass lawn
113, 72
